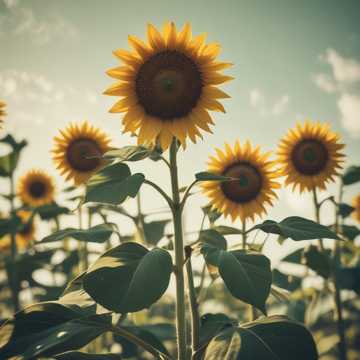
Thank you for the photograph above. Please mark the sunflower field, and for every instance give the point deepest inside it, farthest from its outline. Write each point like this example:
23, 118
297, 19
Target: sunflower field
88, 272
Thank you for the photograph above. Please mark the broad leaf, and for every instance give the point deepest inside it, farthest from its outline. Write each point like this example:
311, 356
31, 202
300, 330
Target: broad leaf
154, 231
8, 162
294, 257
288, 282
345, 210
128, 153
113, 185
77, 355
47, 329
51, 211
270, 338
350, 232
349, 278
9, 225
98, 234
207, 176
227, 230
319, 261
297, 228
214, 238
351, 175
212, 214
129, 278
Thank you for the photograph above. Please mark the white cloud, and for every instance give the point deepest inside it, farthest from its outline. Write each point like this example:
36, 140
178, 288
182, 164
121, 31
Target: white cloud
349, 107
281, 105
345, 70
258, 101
21, 21
325, 83
257, 98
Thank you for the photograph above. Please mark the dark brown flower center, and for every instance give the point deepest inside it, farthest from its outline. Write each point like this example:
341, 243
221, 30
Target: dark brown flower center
309, 157
168, 85
84, 155
37, 189
247, 186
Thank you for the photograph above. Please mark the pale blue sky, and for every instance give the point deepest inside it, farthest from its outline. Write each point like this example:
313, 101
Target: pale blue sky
292, 60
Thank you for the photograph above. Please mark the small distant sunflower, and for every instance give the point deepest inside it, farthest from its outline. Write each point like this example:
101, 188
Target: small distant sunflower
78, 150
356, 205
36, 188
2, 112
310, 156
27, 233
168, 85
253, 188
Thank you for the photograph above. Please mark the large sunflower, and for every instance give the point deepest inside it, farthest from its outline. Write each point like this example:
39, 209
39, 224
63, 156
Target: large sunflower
78, 150
27, 232
310, 156
168, 85
253, 188
2, 112
36, 188
356, 205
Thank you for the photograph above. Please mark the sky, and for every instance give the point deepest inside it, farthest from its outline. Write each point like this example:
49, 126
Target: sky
292, 61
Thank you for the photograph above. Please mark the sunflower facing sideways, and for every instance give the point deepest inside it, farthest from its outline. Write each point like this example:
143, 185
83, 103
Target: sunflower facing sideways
36, 188
253, 185
356, 206
310, 156
2, 112
168, 85
78, 150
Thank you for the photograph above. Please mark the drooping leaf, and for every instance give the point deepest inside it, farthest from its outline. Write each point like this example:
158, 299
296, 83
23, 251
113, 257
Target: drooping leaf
350, 232
270, 338
294, 257
212, 214
47, 329
214, 238
351, 175
288, 282
297, 228
129, 278
128, 153
51, 211
154, 231
349, 278
8, 162
345, 210
113, 185
319, 261
77, 355
9, 225
98, 234
208, 176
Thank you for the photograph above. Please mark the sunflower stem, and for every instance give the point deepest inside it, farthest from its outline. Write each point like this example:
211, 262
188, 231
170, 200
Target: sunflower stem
140, 226
337, 294
317, 215
179, 256
12, 275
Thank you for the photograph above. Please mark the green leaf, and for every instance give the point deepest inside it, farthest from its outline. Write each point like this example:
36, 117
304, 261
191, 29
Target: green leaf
98, 234
207, 176
113, 184
47, 329
227, 230
297, 228
77, 355
212, 214
9, 162
129, 278
349, 278
351, 175
345, 210
294, 257
9, 225
270, 338
154, 231
128, 153
319, 261
350, 232
247, 276
288, 282
51, 211
214, 238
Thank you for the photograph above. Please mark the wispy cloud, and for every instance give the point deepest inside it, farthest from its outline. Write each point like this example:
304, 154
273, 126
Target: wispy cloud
344, 82
259, 101
20, 21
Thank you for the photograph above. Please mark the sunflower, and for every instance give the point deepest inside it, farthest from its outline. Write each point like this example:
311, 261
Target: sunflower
168, 85
27, 233
309, 156
356, 206
2, 112
36, 188
253, 184
78, 150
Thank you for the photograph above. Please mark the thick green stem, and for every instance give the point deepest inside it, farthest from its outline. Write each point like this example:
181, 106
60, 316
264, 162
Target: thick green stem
179, 256
194, 308
317, 216
337, 295
12, 275
140, 226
